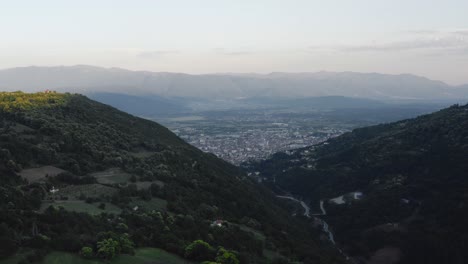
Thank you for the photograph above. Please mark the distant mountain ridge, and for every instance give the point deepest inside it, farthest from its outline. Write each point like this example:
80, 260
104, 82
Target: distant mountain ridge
83, 79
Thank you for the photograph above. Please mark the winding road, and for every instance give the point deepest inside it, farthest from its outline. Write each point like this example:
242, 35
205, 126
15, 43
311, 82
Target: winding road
303, 204
325, 226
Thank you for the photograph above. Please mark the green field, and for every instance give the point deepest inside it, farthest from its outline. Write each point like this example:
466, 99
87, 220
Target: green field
21, 254
81, 206
37, 174
258, 234
151, 256
142, 154
156, 204
270, 254
146, 184
112, 176
89, 190
142, 256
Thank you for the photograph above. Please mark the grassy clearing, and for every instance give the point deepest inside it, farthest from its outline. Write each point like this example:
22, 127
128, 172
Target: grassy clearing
156, 204
143, 185
81, 206
57, 257
150, 256
37, 174
112, 176
142, 256
142, 154
258, 235
89, 190
147, 184
270, 254
21, 254
19, 128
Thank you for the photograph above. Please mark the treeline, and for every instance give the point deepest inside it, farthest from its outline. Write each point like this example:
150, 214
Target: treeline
15, 101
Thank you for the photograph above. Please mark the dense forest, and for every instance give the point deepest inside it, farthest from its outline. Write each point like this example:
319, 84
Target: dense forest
413, 178
82, 177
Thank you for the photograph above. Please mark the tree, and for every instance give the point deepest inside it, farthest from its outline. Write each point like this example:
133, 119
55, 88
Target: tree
226, 257
122, 227
126, 245
86, 252
108, 248
199, 250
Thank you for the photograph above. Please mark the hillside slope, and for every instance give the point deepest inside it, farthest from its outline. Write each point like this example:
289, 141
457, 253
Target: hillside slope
75, 172
413, 176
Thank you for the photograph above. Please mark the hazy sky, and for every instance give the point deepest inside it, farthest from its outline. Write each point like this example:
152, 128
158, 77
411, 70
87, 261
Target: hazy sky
424, 37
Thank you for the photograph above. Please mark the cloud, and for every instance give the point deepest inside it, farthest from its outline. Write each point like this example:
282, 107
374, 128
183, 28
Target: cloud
156, 53
418, 44
454, 41
233, 53
427, 32
462, 32
422, 32
238, 53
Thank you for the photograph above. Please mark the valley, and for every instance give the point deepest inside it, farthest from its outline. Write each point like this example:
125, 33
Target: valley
66, 156
83, 178
234, 132
411, 180
240, 135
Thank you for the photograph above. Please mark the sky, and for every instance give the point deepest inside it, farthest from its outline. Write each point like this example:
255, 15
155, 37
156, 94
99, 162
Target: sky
427, 38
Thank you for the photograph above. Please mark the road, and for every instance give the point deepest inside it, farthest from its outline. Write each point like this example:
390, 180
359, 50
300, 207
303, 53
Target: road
325, 226
303, 204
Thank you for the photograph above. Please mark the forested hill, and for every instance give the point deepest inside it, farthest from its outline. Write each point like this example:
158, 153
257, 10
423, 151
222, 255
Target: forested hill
413, 176
83, 177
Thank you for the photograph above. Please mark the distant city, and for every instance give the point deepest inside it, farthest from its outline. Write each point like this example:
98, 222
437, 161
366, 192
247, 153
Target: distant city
237, 137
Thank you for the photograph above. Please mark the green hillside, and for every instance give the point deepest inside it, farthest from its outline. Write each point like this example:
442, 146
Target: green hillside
76, 173
413, 176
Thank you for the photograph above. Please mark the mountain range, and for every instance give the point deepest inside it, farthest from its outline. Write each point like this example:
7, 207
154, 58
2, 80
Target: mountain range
88, 79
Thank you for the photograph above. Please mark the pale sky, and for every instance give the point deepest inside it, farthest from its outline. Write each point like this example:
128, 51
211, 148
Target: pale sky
423, 37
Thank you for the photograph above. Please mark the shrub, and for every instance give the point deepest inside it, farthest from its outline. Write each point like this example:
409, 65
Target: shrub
126, 245
108, 248
226, 257
199, 250
86, 252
